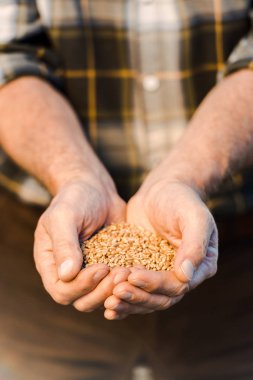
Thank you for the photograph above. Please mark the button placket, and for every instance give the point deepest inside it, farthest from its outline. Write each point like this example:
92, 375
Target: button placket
151, 83
147, 2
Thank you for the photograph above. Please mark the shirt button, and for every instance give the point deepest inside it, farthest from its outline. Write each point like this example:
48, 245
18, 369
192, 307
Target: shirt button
150, 83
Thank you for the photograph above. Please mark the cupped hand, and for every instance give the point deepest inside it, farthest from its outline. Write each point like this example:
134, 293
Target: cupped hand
176, 212
80, 208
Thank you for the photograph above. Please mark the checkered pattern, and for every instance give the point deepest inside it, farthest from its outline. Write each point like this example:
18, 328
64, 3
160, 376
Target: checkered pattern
134, 70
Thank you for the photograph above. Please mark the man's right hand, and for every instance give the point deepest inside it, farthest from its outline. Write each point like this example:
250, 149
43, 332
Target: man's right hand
79, 209
48, 142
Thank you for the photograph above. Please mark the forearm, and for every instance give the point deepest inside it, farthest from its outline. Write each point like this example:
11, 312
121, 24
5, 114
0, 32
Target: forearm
40, 131
219, 138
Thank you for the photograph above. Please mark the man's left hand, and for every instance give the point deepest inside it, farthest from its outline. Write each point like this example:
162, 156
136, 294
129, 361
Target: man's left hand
176, 212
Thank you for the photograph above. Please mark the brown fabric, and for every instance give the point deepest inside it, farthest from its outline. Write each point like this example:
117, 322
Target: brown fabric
208, 336
42, 340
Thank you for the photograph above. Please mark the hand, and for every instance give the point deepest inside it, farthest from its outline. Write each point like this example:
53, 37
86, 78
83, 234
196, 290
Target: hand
80, 207
176, 212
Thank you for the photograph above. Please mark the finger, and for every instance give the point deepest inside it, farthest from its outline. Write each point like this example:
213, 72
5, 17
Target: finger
132, 310
66, 292
60, 291
97, 297
137, 267
43, 256
86, 281
126, 296
208, 267
113, 315
124, 308
61, 227
195, 238
214, 239
163, 282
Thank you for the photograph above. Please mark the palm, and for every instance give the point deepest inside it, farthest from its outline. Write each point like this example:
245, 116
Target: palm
176, 212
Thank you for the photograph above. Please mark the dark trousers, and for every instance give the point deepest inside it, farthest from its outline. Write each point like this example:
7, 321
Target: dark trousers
208, 335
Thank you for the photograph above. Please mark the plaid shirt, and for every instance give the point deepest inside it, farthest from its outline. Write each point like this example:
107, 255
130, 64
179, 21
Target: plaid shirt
134, 71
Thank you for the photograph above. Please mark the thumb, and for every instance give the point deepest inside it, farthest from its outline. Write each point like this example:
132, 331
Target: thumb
192, 251
117, 211
66, 248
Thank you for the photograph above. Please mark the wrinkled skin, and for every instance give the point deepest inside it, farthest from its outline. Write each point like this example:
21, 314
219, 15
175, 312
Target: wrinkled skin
176, 212
173, 210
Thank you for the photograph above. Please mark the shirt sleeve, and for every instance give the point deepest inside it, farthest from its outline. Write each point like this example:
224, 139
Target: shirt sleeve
24, 46
242, 55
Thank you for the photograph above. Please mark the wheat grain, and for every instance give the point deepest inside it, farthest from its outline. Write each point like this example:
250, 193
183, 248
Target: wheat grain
123, 244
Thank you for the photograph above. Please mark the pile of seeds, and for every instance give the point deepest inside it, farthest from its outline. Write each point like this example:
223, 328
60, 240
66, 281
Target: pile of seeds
127, 245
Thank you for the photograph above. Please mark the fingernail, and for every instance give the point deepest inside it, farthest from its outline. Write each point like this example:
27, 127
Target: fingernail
187, 268
65, 268
100, 274
120, 277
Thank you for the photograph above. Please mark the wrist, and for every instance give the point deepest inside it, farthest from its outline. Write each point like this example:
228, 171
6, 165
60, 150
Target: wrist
171, 171
95, 175
218, 140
